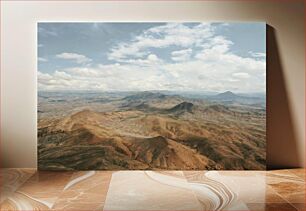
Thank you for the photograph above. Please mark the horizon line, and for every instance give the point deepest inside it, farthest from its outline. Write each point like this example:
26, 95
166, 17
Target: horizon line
151, 91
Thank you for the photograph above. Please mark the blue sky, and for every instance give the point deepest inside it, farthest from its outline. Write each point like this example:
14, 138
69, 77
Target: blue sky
152, 56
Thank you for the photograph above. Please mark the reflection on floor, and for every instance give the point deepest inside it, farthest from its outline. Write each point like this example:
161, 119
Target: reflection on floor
27, 189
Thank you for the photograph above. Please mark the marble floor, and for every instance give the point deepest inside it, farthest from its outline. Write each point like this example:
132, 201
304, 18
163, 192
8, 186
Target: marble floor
28, 189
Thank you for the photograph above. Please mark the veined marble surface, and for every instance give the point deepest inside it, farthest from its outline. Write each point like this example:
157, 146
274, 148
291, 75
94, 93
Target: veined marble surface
28, 189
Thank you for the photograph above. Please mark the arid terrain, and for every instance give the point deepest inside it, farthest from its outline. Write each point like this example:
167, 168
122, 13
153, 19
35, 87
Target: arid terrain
151, 130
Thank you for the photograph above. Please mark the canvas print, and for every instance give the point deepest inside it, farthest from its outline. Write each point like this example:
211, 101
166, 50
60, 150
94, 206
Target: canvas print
156, 96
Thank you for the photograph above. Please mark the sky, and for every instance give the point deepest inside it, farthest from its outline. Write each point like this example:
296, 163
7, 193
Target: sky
199, 57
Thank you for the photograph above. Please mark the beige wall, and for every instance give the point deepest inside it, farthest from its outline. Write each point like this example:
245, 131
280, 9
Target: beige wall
286, 62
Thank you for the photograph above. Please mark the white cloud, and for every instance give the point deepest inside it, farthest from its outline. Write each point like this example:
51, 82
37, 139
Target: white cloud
181, 55
186, 75
257, 54
62, 75
40, 45
152, 57
78, 58
214, 48
40, 59
82, 71
150, 60
241, 75
43, 76
172, 34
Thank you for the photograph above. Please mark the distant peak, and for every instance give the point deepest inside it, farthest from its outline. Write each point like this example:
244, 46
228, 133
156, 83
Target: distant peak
227, 93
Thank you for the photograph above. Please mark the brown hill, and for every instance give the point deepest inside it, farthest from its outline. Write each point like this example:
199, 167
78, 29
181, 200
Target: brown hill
182, 107
140, 140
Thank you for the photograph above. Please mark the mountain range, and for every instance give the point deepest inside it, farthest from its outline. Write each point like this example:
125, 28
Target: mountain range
150, 130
